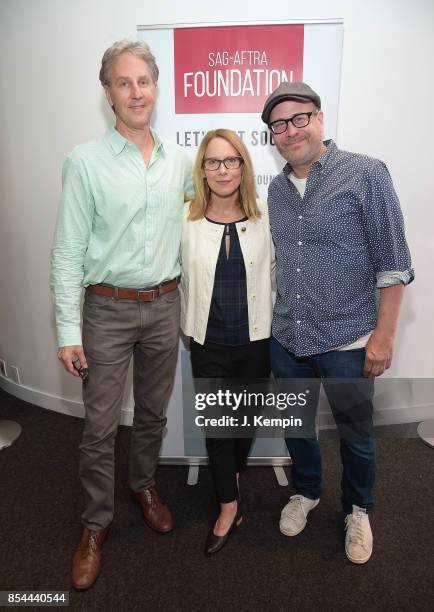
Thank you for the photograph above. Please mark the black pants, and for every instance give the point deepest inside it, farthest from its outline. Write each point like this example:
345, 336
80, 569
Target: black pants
227, 456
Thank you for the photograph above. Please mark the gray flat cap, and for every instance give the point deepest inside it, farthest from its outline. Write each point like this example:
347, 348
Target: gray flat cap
289, 91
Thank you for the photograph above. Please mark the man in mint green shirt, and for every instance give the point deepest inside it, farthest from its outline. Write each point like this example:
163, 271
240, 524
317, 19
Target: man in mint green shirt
118, 235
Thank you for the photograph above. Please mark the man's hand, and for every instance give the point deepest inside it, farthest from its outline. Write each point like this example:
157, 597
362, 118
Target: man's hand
379, 352
379, 349
67, 353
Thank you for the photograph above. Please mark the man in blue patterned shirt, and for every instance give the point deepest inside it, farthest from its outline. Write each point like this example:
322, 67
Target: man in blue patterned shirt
342, 262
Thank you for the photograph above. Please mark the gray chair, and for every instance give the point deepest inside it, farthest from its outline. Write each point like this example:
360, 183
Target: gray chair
426, 431
9, 432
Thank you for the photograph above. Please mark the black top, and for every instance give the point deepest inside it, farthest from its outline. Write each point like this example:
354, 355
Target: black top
228, 321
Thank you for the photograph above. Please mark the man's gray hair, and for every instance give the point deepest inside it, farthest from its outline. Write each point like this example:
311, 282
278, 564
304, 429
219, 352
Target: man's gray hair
139, 49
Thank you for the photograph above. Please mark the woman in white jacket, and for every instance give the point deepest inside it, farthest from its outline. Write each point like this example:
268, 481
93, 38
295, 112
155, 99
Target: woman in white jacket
227, 260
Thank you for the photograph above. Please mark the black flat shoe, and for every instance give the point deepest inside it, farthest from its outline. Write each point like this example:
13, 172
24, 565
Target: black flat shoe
214, 543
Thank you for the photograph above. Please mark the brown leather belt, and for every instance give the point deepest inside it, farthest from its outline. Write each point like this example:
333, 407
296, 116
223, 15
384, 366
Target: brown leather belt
141, 295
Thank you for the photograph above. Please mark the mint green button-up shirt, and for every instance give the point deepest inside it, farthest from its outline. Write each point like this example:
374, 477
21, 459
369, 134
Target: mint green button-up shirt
119, 222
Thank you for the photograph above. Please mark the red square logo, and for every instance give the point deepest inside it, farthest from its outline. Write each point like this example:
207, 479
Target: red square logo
233, 69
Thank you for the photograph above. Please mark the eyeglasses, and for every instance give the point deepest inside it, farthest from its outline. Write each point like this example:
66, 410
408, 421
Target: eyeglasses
300, 120
230, 163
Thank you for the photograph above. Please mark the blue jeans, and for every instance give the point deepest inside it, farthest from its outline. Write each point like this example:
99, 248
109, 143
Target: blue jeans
352, 408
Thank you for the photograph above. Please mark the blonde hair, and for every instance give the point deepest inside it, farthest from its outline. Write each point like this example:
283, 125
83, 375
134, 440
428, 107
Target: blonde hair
247, 191
138, 48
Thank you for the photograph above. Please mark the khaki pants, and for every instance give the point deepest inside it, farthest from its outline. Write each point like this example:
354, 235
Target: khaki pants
113, 332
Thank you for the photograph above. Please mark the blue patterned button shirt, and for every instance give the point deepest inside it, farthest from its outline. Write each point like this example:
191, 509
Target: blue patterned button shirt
334, 248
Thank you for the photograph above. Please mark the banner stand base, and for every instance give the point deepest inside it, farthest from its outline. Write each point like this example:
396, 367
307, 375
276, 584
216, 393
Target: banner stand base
193, 475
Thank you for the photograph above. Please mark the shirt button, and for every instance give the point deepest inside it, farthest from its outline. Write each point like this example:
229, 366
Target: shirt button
253, 296
243, 229
299, 242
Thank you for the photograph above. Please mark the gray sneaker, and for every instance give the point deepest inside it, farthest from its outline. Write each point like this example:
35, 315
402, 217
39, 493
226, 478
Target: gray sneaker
293, 518
358, 539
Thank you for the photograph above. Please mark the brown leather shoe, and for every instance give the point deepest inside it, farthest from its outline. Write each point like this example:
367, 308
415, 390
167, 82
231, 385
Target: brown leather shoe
86, 562
156, 513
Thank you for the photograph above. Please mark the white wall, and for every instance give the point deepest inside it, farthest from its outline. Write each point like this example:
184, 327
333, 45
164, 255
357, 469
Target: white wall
51, 100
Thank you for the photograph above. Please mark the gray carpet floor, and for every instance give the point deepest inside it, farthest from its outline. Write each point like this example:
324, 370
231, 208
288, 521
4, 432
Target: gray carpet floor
259, 569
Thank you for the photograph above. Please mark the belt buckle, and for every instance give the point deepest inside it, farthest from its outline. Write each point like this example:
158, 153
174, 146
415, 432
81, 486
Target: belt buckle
148, 291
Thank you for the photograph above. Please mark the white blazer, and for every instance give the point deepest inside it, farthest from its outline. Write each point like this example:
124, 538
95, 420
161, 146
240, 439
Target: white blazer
200, 246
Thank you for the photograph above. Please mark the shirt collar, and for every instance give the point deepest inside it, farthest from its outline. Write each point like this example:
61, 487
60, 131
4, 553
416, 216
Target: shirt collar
325, 158
118, 143
328, 154
158, 143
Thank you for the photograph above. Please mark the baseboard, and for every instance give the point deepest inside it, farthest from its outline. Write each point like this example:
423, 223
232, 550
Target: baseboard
53, 402
389, 416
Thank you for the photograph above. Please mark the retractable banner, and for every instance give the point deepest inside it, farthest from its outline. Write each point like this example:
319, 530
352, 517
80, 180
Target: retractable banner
219, 76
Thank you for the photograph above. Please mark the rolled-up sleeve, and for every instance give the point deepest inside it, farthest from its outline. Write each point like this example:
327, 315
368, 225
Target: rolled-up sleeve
384, 229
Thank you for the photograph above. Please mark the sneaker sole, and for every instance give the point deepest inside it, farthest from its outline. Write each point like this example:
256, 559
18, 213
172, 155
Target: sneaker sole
294, 533
358, 561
